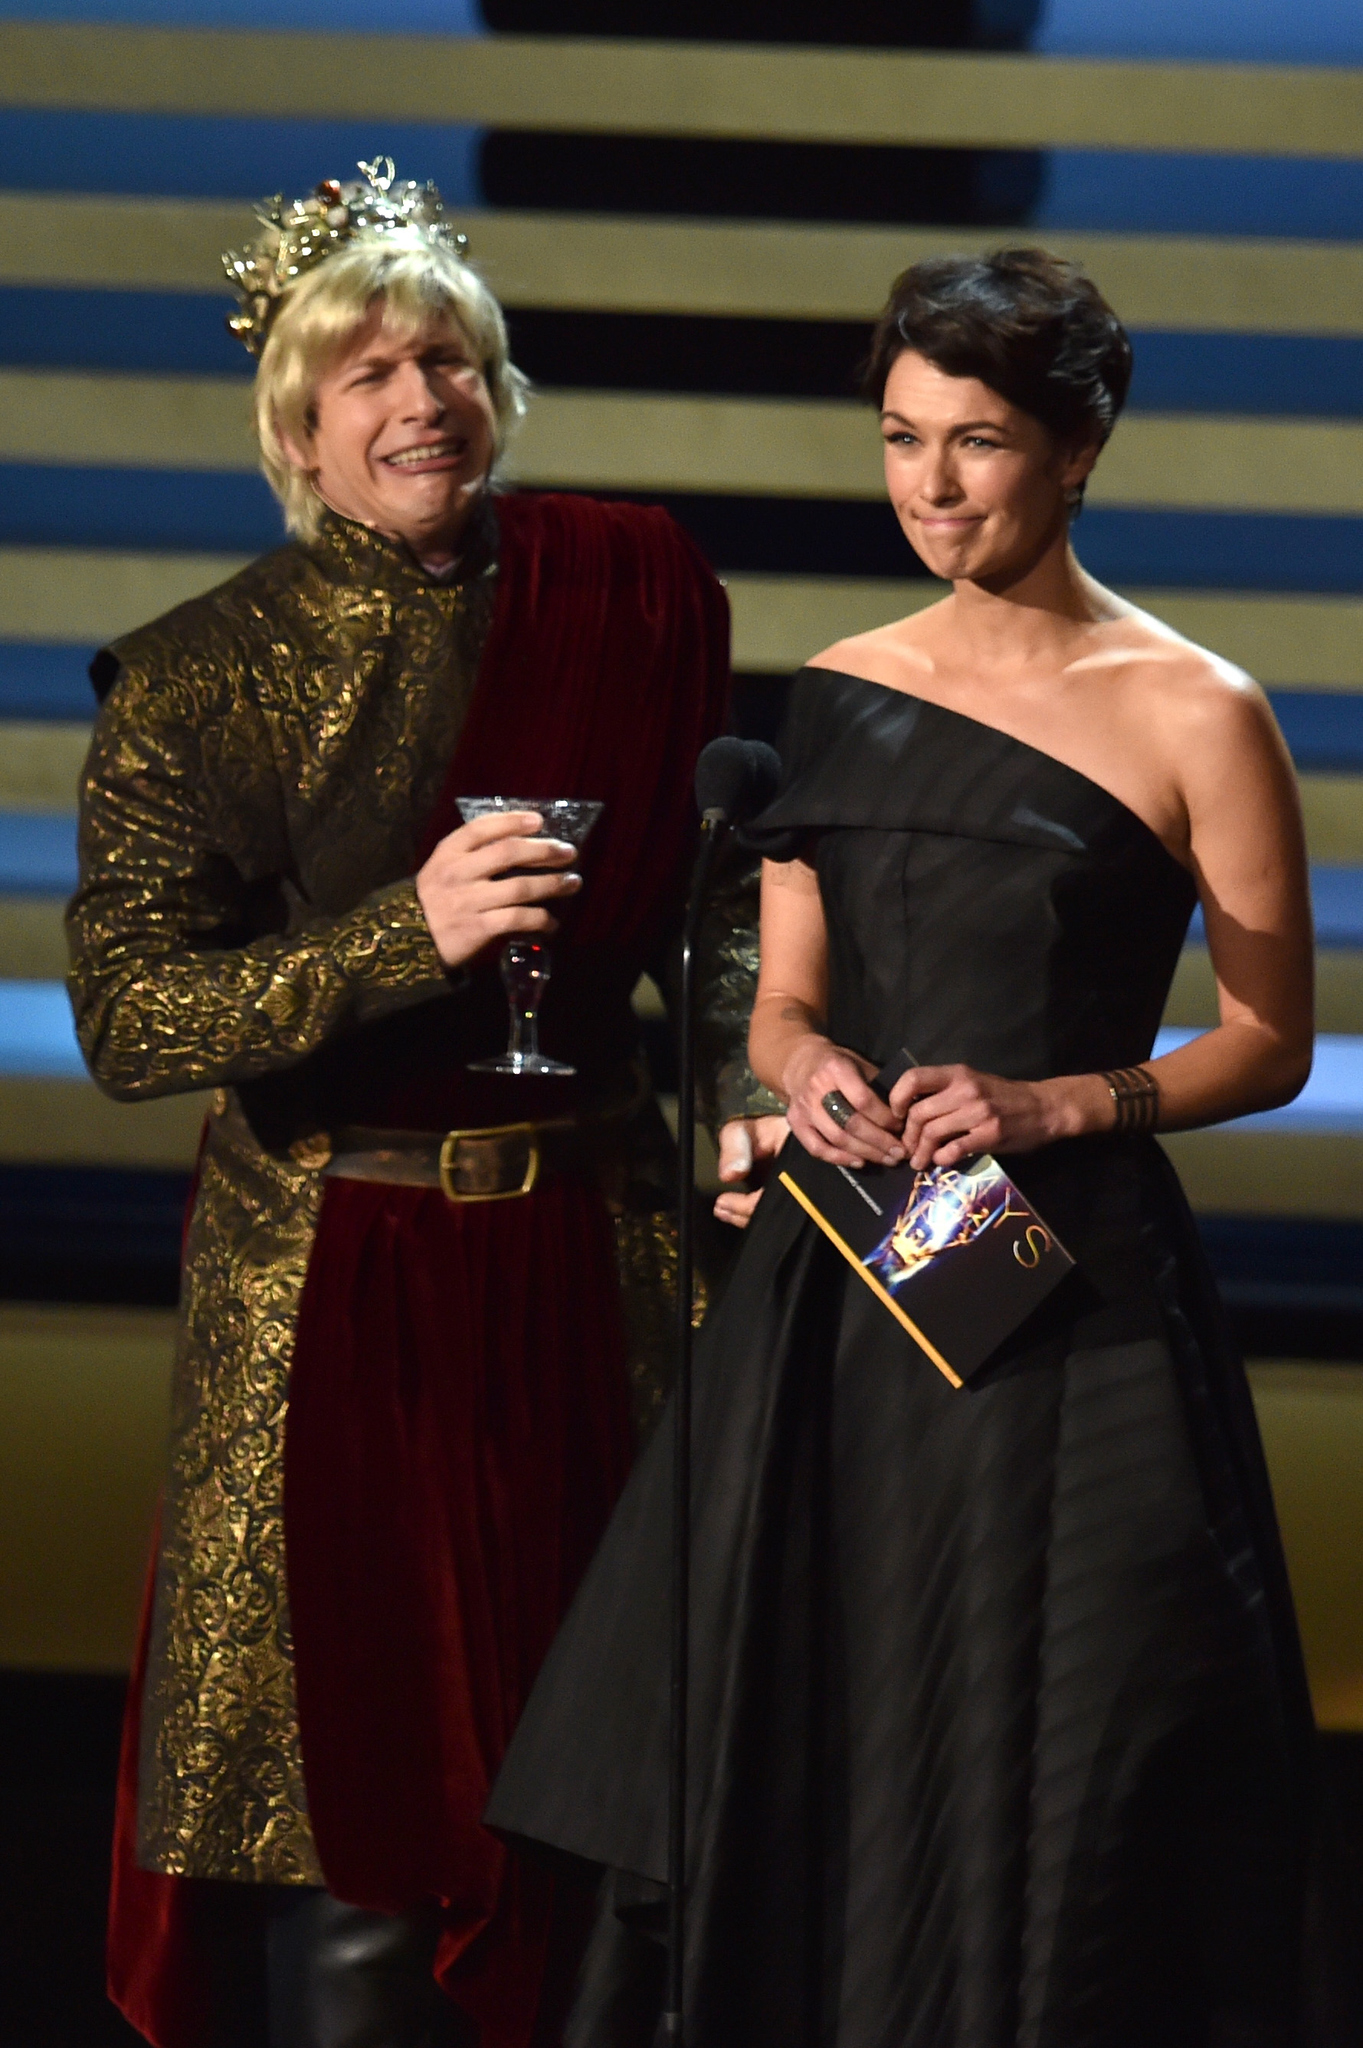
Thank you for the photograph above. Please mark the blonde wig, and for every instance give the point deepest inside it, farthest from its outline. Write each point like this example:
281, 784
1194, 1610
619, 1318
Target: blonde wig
418, 281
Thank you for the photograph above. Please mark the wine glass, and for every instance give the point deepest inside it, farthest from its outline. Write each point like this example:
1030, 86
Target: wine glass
525, 963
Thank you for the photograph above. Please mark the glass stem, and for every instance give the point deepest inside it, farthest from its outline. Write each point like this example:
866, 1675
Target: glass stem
525, 976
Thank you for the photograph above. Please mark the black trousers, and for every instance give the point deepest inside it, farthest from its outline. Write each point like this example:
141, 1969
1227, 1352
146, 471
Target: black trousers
297, 1968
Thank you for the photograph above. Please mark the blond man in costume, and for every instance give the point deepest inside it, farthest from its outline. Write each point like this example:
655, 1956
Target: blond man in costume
418, 1301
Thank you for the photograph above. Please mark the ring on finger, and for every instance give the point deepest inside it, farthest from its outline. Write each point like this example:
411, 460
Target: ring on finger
839, 1108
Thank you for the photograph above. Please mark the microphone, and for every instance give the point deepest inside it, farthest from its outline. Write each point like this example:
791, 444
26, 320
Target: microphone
735, 779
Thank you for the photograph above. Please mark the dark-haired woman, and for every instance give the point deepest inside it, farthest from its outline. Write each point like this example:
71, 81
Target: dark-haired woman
1000, 1734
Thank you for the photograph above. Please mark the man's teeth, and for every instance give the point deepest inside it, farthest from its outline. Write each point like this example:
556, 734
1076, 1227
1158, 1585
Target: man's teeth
430, 454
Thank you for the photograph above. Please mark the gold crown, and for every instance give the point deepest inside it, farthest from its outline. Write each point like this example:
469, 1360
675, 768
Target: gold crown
304, 233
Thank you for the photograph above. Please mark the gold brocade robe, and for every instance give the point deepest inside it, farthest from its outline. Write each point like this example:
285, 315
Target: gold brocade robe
259, 778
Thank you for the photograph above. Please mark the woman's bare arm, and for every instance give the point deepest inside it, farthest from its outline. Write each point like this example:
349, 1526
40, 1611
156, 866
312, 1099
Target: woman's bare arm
788, 1043
1249, 859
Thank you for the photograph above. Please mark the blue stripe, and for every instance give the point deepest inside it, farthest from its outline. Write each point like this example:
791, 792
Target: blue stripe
184, 332
37, 853
217, 511
38, 858
1251, 31
1337, 901
235, 513
45, 682
226, 156
1337, 898
1221, 550
1323, 728
1273, 375
37, 1036
1139, 192
212, 156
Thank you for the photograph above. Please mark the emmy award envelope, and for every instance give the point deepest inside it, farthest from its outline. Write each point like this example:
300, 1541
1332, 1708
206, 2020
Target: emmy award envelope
957, 1254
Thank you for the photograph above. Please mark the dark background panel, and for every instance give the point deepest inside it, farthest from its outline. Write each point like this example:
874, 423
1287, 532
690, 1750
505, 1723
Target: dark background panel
692, 353
1274, 375
58, 1761
91, 1234
811, 181
233, 512
903, 24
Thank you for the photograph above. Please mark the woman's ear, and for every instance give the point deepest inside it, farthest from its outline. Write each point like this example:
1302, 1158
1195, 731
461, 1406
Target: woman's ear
1079, 465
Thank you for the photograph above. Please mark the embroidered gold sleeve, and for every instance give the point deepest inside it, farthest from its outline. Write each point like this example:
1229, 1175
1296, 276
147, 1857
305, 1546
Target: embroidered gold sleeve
190, 968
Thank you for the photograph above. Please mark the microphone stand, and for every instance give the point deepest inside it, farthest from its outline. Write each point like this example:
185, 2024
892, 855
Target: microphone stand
670, 2027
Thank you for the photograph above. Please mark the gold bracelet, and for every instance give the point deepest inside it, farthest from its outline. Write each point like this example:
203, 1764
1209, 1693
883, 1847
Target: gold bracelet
1136, 1097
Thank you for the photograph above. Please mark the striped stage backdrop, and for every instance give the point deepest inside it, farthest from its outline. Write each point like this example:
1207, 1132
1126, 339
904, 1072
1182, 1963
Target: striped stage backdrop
692, 237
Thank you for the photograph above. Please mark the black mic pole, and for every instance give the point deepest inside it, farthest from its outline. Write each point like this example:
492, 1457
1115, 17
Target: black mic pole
734, 778
670, 2028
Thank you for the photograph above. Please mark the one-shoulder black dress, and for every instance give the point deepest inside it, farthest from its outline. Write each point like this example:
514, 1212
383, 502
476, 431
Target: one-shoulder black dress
999, 1729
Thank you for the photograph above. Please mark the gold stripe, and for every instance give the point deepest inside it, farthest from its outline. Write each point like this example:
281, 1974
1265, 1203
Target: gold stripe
633, 441
1263, 465
832, 449
32, 938
84, 1400
48, 1122
880, 1292
126, 421
780, 621
1289, 642
1269, 1173
1339, 991
594, 263
62, 238
1311, 1416
79, 596
1332, 806
1305, 643
637, 87
40, 763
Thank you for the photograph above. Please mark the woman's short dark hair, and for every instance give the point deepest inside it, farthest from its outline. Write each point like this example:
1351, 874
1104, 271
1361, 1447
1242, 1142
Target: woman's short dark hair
1029, 325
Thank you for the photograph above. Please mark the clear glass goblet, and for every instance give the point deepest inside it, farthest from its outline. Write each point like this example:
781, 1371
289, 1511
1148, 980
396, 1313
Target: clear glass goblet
526, 963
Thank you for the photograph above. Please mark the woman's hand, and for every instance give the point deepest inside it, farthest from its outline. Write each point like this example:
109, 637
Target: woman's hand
951, 1113
815, 1067
468, 899
747, 1147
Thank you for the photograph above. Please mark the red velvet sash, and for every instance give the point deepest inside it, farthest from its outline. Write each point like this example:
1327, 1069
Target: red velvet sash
458, 1426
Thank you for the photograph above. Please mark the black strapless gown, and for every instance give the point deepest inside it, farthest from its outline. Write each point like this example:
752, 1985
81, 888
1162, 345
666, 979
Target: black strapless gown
1000, 1733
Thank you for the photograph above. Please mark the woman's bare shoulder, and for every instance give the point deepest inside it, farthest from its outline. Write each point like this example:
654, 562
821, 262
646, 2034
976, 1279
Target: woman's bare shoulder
1189, 678
1207, 715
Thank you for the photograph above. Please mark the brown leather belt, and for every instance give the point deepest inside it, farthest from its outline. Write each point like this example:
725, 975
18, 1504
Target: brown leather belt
495, 1164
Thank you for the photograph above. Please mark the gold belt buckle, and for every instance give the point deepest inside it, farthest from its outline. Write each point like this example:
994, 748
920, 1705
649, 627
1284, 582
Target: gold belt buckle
449, 1147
